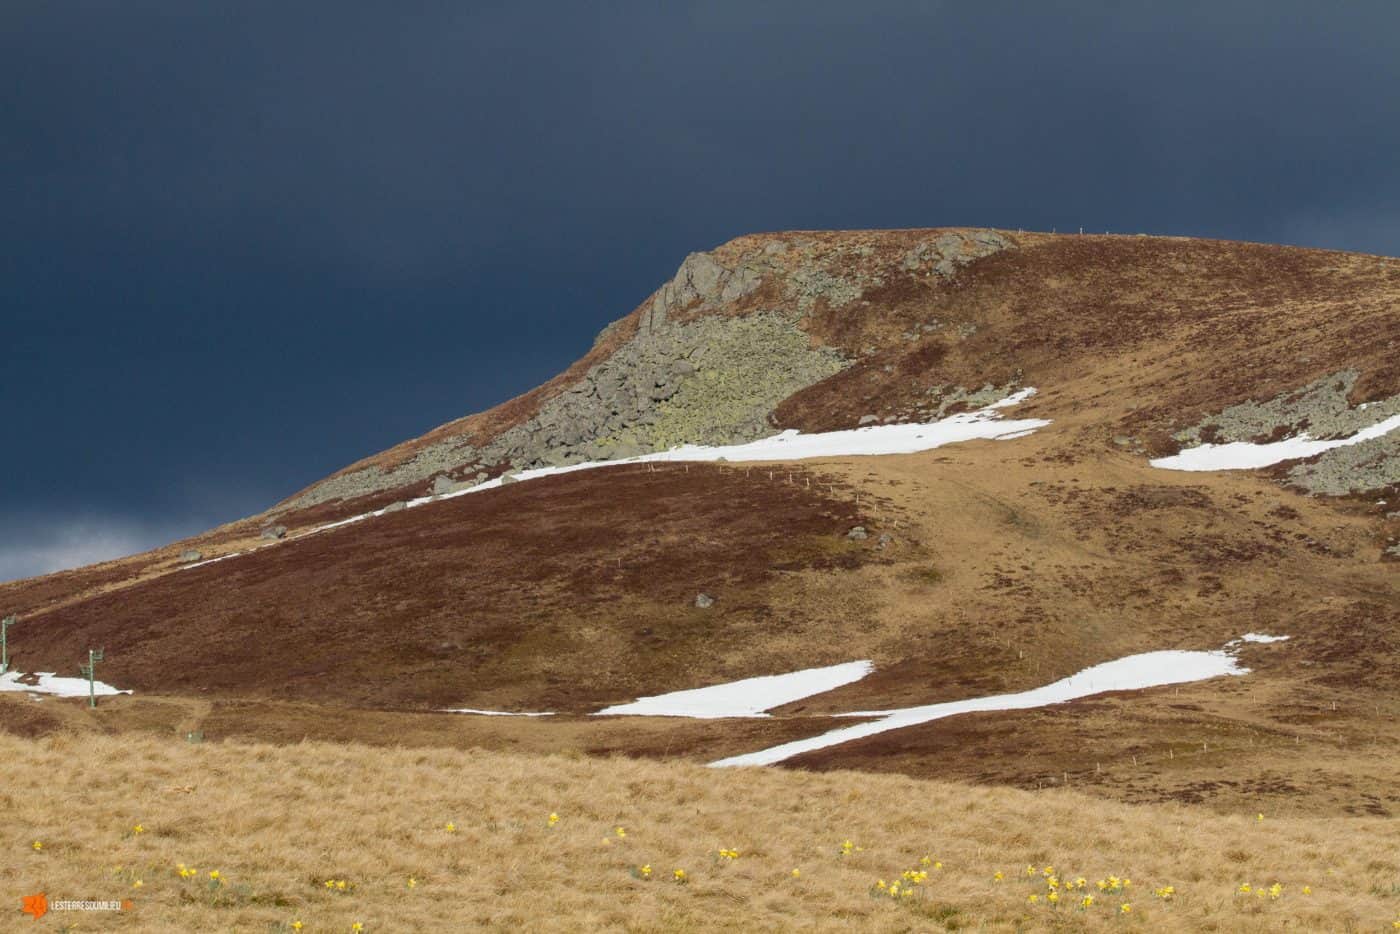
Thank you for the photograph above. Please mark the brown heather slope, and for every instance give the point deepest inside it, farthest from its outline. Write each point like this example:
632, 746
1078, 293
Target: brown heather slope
1008, 564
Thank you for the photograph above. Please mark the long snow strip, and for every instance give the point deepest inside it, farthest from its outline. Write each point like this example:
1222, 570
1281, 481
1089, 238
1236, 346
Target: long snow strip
913, 438
747, 698
1242, 455
1135, 672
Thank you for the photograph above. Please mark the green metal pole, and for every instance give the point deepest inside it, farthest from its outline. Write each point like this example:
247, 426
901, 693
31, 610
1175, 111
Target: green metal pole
90, 669
5, 625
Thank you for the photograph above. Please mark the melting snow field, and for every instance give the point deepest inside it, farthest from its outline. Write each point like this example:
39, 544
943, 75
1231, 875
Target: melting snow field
747, 698
1135, 672
1241, 455
985, 423
58, 687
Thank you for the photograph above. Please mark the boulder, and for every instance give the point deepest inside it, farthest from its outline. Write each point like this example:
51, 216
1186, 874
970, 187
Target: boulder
704, 601
273, 532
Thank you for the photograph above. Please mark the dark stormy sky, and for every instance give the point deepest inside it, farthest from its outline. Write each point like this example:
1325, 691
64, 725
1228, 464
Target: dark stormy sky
245, 243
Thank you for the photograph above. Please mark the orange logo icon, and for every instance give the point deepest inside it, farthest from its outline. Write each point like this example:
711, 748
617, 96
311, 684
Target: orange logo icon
36, 905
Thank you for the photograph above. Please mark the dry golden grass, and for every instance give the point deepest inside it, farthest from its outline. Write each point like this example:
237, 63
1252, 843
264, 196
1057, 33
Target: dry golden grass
278, 821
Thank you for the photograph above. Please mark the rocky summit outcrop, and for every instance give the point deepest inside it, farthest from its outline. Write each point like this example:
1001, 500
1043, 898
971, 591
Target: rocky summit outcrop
1130, 340
711, 355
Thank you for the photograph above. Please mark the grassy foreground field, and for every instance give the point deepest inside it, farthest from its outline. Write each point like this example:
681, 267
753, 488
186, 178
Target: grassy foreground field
451, 840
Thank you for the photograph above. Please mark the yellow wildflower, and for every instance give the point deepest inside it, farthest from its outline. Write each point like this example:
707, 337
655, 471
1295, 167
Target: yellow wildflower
553, 819
1125, 908
1307, 890
1243, 889
357, 926
138, 829
1053, 898
214, 875
412, 882
1275, 890
136, 884
340, 885
997, 876
297, 925
646, 871
621, 833
796, 873
1087, 901
37, 845
679, 875
450, 827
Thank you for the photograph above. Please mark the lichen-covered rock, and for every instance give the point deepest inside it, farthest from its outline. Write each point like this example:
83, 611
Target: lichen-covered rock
1321, 410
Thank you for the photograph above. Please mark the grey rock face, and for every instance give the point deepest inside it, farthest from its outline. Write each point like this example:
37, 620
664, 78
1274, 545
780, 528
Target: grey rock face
190, 554
1319, 409
868, 419
949, 252
858, 534
399, 506
272, 532
704, 601
713, 379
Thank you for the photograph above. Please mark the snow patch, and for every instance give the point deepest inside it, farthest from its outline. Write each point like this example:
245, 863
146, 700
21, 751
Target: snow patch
747, 698
911, 438
1259, 637
48, 683
1242, 455
1135, 672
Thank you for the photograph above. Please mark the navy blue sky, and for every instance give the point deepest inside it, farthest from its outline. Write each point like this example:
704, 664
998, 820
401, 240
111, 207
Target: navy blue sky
244, 244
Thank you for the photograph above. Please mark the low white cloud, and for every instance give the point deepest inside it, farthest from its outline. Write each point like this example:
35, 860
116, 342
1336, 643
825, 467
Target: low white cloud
29, 547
